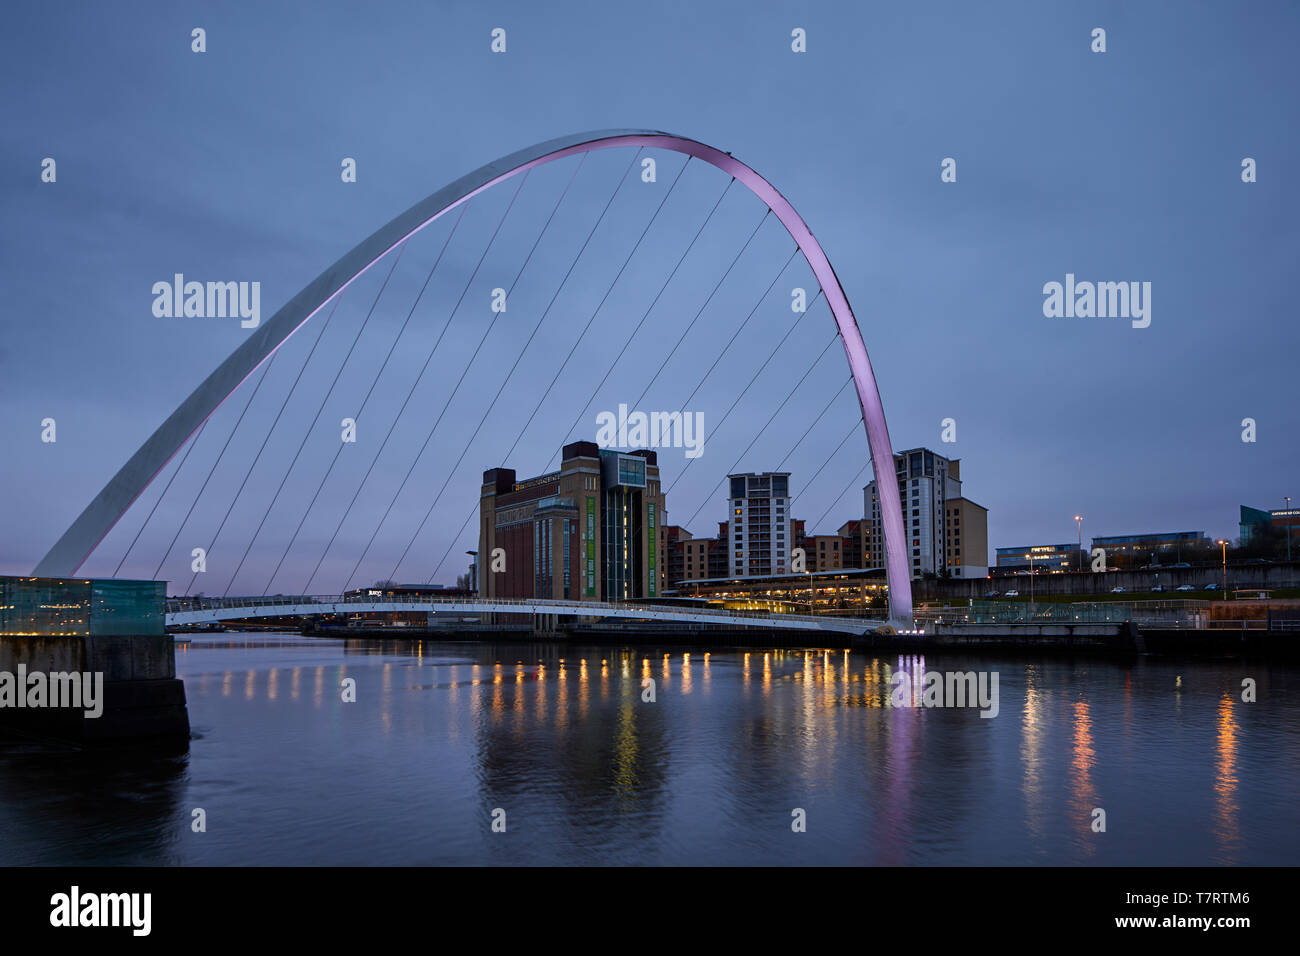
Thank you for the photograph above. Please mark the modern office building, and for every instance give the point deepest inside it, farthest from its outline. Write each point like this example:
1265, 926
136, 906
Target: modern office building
587, 532
935, 514
759, 523
1254, 518
1157, 547
1251, 520
55, 607
1040, 557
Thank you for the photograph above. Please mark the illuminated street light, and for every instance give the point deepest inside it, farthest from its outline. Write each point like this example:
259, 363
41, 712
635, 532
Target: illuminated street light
1221, 541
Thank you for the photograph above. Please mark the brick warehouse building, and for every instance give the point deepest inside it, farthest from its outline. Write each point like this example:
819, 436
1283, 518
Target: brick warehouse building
588, 532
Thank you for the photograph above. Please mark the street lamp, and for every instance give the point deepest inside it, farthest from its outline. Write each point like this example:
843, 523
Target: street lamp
1288, 528
1078, 523
1221, 541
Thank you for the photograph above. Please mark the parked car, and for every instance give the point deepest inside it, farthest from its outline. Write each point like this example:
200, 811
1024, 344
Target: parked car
1013, 593
991, 594
1159, 588
1180, 564
1119, 589
1185, 587
1211, 587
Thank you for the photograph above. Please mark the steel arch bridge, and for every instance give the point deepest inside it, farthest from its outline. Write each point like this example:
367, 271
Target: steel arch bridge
104, 511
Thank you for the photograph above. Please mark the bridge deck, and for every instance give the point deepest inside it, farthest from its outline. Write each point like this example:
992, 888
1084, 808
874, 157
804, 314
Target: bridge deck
188, 611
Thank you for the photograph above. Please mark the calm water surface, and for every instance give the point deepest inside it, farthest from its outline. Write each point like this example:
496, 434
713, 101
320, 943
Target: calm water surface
558, 737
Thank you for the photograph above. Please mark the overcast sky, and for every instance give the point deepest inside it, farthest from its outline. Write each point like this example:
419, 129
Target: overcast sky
225, 165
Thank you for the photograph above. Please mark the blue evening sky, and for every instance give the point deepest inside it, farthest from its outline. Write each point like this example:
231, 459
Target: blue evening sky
225, 165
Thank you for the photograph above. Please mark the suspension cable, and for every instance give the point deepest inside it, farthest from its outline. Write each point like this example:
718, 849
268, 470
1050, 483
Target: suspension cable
375, 459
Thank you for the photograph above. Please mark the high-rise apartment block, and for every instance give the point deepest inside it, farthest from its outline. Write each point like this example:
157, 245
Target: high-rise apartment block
759, 523
946, 534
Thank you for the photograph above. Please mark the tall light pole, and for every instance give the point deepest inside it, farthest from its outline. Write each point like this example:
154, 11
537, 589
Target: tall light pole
1288, 528
1221, 541
1078, 523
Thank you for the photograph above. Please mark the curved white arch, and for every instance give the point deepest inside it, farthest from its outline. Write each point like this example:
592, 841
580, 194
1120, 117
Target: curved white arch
104, 511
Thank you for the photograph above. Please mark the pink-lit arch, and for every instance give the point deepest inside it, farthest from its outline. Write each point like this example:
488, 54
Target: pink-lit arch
99, 517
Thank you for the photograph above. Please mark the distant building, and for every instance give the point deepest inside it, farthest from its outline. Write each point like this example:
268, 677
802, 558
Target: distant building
1159, 547
1253, 518
967, 538
673, 543
1040, 557
719, 555
586, 532
689, 558
759, 523
935, 516
824, 552
696, 553
853, 541
797, 535
387, 589
847, 591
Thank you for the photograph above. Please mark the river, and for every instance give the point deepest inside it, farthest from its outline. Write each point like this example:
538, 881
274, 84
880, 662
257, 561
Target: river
519, 754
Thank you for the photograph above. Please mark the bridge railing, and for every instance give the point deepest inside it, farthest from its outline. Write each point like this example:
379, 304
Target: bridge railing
1169, 612
526, 605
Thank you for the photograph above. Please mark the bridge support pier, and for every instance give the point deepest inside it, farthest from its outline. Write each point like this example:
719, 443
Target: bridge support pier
88, 661
140, 696
546, 626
